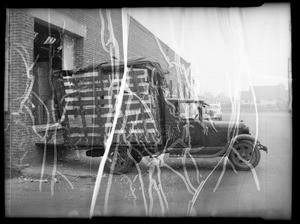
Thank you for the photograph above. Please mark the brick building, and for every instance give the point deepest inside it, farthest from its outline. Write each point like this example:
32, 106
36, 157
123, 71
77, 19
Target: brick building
54, 39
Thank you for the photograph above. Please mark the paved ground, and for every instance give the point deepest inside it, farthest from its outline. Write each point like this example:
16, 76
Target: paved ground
238, 195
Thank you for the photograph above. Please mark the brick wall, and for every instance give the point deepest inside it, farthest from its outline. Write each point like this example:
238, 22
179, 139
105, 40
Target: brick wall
96, 46
91, 49
142, 43
21, 44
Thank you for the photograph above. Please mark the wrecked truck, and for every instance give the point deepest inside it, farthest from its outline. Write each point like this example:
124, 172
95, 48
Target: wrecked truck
149, 123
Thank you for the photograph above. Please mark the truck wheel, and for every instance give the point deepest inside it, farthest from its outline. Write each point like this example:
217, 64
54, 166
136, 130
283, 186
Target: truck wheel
123, 161
136, 156
245, 150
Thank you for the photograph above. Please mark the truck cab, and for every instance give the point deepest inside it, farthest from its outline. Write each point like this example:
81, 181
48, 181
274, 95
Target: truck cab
187, 128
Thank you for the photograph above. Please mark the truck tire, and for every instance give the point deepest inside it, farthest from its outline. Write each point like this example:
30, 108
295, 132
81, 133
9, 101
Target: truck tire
123, 162
245, 150
136, 156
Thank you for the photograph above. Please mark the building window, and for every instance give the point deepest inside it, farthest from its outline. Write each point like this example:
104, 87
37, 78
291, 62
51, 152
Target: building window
68, 52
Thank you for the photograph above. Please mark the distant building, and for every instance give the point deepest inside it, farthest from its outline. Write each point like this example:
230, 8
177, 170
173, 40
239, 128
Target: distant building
265, 95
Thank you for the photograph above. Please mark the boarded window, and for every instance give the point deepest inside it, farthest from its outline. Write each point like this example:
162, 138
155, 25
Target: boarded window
68, 52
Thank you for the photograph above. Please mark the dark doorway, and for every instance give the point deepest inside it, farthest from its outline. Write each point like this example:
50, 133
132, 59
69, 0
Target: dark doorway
48, 57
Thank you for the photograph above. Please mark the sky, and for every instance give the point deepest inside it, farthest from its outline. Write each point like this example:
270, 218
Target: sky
229, 48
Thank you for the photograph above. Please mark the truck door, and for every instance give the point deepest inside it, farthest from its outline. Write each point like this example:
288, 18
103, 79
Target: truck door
183, 127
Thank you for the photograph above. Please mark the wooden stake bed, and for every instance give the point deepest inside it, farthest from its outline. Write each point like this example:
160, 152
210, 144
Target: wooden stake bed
87, 105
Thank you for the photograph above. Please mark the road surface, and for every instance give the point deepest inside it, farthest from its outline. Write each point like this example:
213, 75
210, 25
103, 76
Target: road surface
171, 189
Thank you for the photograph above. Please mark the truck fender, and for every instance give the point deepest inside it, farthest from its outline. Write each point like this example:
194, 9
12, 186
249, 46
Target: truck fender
249, 138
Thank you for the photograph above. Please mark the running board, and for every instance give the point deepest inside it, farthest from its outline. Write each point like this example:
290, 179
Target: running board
203, 152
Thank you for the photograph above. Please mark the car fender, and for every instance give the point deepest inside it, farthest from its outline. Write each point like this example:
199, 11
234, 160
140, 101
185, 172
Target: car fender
249, 138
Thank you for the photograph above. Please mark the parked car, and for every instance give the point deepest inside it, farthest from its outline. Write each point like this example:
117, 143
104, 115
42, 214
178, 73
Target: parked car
214, 112
149, 123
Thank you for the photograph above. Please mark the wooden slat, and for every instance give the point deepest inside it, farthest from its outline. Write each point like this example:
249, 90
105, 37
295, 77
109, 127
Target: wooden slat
119, 126
44, 127
117, 132
90, 92
73, 97
86, 74
106, 102
90, 125
106, 85
98, 86
136, 71
130, 118
137, 117
106, 82
107, 112
86, 77
71, 107
88, 116
89, 110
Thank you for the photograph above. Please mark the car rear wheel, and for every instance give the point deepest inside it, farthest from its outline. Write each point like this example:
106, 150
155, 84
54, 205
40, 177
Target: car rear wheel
246, 152
123, 162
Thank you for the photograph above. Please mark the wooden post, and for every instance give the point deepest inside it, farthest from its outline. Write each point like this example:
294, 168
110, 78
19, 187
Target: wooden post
81, 110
